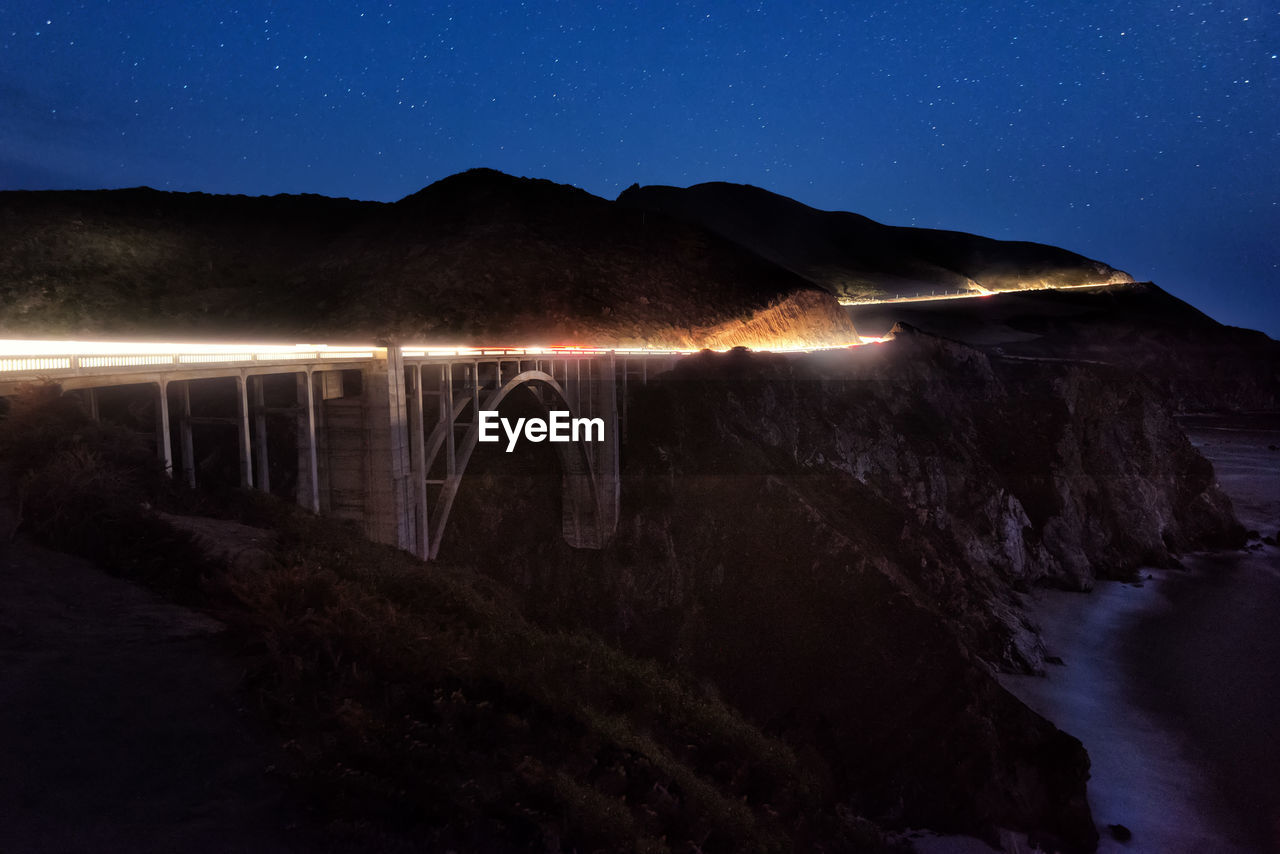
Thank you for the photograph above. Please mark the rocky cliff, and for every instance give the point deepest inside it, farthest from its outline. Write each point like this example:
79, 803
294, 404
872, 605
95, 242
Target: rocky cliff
1196, 363
837, 543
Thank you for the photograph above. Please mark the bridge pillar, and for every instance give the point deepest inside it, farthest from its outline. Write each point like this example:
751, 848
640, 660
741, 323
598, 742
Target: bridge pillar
417, 434
388, 516
164, 445
308, 457
262, 465
184, 430
606, 462
242, 413
593, 393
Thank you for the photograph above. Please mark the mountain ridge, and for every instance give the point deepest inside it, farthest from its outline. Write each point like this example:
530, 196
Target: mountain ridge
856, 257
479, 258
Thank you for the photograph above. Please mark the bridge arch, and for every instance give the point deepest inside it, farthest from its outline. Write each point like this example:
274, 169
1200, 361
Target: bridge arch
586, 522
361, 449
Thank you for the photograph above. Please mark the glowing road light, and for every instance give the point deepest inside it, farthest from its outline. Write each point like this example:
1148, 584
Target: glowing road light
783, 346
32, 347
979, 291
36, 355
21, 354
30, 355
41, 347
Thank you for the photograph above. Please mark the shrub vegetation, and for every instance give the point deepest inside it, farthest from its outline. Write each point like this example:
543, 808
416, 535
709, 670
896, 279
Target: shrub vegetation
417, 705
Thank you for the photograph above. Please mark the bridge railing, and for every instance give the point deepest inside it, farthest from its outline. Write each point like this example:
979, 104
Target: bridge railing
20, 358
410, 352
36, 357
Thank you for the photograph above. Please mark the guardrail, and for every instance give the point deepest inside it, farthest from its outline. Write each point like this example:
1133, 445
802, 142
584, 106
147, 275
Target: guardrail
20, 356
36, 356
969, 293
918, 295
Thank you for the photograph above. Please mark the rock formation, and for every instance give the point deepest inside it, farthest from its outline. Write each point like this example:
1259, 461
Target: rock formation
838, 543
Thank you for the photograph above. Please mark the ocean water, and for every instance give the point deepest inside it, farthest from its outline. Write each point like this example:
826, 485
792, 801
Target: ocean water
1173, 685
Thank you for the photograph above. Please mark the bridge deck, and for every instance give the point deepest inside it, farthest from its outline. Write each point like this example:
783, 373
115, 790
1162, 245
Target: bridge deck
86, 364
385, 455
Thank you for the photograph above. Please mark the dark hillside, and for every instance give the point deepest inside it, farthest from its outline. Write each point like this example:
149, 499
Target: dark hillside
1198, 363
491, 257
853, 256
839, 542
139, 261
479, 258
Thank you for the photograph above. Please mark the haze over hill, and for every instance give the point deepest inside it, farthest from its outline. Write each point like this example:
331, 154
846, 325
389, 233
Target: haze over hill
858, 258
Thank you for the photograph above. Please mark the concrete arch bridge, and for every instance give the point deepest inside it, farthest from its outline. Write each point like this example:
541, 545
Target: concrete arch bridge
381, 435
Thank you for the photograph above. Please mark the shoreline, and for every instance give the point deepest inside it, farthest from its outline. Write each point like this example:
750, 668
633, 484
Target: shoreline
1148, 774
1208, 665
1173, 683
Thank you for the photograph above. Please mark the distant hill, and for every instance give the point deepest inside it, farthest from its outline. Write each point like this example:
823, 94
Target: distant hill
858, 258
479, 258
1197, 362
484, 258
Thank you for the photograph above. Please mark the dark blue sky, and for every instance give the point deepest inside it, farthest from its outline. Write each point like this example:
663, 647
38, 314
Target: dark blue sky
1144, 134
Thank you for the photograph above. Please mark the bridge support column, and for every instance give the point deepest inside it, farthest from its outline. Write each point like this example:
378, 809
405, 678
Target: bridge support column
446, 411
595, 395
308, 458
606, 462
262, 465
164, 445
246, 452
625, 401
388, 510
417, 453
184, 430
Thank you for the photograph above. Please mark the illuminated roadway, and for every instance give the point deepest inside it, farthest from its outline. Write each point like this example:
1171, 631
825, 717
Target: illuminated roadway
979, 292
388, 451
397, 463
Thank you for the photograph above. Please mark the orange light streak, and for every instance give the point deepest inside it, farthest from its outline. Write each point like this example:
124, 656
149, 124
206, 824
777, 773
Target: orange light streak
37, 355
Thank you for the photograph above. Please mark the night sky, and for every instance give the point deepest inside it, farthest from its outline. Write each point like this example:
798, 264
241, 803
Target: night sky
1143, 134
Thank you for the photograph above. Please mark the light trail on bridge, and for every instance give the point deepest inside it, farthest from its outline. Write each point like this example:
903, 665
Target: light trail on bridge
22, 354
389, 451
973, 294
31, 354
28, 355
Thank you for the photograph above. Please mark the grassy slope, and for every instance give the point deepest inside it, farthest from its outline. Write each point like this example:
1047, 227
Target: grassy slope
420, 705
478, 258
835, 541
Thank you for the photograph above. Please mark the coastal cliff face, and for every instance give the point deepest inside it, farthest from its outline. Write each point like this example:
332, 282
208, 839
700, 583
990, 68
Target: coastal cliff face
836, 544
1196, 363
